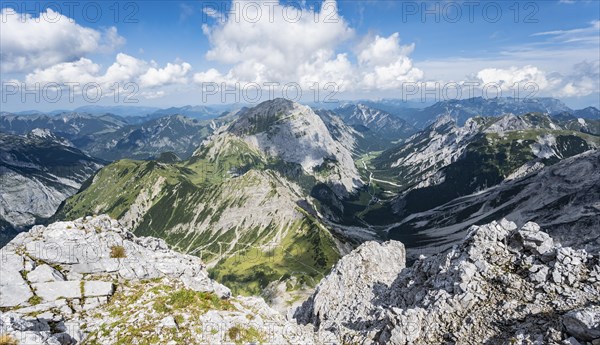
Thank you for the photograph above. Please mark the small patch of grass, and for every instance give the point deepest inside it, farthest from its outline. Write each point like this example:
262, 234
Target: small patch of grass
82, 291
160, 306
191, 301
7, 340
234, 333
117, 252
241, 335
35, 300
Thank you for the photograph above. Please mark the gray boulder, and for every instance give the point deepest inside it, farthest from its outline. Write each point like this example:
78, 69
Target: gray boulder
353, 287
583, 323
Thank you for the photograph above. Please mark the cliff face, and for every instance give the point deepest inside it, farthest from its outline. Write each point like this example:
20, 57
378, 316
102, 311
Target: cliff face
502, 284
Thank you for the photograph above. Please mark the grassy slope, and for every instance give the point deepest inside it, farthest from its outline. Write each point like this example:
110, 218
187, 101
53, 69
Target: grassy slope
307, 250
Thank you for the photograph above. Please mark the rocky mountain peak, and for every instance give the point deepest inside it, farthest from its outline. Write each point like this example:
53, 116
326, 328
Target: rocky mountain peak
443, 121
259, 118
296, 134
512, 122
588, 113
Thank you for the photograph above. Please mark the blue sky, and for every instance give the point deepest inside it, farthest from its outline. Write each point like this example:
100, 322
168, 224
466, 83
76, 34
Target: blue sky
174, 52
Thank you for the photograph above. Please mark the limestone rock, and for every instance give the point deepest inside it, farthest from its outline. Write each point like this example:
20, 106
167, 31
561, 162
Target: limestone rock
583, 323
501, 285
97, 289
58, 290
349, 291
43, 274
80, 289
13, 295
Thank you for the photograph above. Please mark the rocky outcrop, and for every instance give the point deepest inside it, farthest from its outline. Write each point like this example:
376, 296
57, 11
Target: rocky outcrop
584, 323
502, 284
91, 279
356, 280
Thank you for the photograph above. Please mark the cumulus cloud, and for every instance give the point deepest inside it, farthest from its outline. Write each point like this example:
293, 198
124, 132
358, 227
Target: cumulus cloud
509, 77
125, 69
583, 80
272, 42
170, 74
385, 63
37, 42
269, 42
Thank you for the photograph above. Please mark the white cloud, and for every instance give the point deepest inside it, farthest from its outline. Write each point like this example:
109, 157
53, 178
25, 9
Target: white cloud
583, 80
153, 94
563, 63
385, 64
170, 74
126, 69
37, 42
277, 43
267, 42
508, 78
585, 35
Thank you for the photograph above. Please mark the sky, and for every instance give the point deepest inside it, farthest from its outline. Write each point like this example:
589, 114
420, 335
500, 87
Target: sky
60, 55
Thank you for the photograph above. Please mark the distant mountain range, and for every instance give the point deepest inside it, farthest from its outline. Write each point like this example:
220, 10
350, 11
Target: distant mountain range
467, 108
112, 137
381, 124
197, 112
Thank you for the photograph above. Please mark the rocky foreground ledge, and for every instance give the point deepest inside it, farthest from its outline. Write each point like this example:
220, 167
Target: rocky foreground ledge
502, 285
91, 281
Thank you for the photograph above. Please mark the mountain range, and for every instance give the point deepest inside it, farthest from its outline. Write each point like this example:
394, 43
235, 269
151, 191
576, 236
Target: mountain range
463, 109
276, 200
243, 193
112, 137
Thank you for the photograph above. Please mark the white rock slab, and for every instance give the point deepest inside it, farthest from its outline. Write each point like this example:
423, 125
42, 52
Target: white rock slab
95, 288
52, 291
44, 274
14, 294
